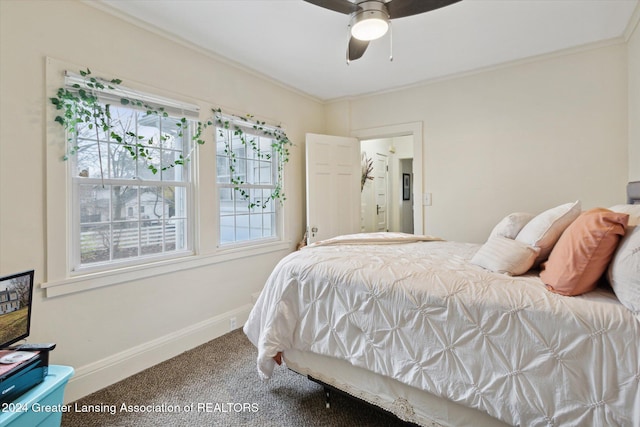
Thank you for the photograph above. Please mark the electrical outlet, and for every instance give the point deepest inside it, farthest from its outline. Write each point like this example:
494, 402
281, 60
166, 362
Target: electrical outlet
233, 323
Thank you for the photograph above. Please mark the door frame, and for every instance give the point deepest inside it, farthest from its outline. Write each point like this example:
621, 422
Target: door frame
404, 129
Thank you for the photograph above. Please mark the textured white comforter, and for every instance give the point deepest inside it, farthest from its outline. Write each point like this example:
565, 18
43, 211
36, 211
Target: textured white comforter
420, 313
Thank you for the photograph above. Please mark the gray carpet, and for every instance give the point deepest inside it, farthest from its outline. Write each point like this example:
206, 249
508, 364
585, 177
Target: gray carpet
219, 381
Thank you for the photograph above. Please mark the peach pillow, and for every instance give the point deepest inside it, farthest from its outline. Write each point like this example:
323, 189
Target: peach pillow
583, 252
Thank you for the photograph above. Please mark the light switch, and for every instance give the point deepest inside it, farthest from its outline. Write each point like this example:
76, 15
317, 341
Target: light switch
427, 199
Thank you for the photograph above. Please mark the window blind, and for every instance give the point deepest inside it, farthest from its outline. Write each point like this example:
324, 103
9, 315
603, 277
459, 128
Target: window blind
248, 125
117, 92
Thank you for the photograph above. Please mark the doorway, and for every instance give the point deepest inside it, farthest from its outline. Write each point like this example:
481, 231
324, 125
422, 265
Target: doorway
335, 163
387, 199
403, 148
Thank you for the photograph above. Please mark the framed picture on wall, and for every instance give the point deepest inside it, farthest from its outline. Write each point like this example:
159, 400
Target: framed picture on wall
406, 186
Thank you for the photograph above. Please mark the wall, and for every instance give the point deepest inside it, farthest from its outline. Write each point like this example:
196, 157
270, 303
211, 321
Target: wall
521, 137
109, 333
406, 206
633, 47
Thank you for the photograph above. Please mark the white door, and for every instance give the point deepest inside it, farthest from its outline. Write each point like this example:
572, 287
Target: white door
333, 186
380, 173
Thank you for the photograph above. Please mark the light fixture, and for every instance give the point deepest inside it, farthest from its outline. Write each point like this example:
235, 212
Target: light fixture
370, 23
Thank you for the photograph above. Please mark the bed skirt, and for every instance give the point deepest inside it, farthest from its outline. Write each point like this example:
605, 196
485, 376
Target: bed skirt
406, 402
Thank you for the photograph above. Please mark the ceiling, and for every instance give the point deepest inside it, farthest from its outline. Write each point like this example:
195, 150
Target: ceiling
303, 46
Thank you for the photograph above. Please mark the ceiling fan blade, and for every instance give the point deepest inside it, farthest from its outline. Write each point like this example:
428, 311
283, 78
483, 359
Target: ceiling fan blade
356, 48
342, 6
402, 8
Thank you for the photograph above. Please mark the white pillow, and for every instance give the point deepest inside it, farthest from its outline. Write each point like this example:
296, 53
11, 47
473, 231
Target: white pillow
632, 210
624, 269
545, 229
504, 255
511, 225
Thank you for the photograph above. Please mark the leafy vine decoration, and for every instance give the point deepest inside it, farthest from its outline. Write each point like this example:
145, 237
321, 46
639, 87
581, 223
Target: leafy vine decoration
279, 147
79, 105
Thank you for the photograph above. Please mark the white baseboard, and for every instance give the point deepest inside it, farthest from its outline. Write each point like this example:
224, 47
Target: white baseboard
254, 297
90, 378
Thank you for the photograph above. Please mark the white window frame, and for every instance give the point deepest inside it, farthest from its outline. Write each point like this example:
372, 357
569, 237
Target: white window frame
175, 110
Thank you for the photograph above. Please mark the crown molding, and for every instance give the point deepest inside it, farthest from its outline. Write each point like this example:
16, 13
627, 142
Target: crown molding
508, 64
194, 47
633, 23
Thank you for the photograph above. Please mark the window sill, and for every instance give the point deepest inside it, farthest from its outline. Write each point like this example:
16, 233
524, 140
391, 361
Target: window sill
127, 274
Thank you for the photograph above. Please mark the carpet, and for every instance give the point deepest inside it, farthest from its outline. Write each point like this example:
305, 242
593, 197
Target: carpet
216, 384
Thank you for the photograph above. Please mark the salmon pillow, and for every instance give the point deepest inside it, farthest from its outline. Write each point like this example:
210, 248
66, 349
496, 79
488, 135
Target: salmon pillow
583, 252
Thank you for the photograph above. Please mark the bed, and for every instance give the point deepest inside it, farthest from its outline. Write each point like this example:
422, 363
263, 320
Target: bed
417, 326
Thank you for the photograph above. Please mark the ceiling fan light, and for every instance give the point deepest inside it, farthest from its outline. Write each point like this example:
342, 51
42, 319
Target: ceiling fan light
369, 25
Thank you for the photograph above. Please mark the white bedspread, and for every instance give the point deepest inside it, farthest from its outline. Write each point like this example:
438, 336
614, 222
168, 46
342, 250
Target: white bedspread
420, 313
378, 238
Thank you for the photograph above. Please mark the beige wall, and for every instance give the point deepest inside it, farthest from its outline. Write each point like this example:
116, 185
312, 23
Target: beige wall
633, 47
110, 332
522, 137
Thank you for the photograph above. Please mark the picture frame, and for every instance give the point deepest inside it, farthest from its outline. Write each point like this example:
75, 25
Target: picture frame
406, 186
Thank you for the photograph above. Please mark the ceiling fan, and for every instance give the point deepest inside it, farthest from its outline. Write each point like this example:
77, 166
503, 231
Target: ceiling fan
371, 19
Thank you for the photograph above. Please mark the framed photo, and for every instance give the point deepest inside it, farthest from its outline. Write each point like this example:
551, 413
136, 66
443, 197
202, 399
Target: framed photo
406, 186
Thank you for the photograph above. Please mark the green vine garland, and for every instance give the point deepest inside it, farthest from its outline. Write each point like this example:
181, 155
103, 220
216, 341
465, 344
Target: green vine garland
280, 147
79, 105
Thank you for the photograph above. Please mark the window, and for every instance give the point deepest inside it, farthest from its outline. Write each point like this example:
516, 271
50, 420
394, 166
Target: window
246, 178
123, 212
127, 223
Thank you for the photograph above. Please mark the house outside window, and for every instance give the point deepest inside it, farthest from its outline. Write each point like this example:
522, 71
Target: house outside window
246, 180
